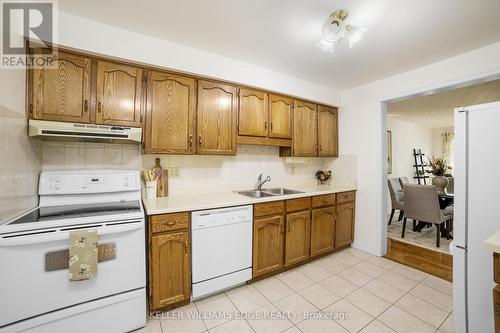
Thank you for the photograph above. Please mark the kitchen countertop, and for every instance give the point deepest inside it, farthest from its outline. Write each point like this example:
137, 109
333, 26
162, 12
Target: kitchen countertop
192, 202
493, 242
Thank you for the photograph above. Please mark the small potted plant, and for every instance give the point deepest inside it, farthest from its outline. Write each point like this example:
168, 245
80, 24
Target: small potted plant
438, 167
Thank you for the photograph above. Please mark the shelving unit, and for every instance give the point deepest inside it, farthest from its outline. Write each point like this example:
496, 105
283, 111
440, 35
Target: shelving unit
419, 166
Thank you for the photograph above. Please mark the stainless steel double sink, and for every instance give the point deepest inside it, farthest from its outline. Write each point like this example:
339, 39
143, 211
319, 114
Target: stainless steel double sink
269, 192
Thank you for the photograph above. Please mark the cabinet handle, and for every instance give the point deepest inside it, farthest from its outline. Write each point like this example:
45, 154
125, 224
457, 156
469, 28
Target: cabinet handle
86, 106
320, 147
271, 123
288, 224
99, 107
265, 125
169, 223
186, 247
190, 140
199, 140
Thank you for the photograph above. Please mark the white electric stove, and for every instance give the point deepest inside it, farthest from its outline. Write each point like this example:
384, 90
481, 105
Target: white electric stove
35, 292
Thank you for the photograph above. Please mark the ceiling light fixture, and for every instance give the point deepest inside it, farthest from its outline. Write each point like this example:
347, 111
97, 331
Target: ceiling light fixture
335, 30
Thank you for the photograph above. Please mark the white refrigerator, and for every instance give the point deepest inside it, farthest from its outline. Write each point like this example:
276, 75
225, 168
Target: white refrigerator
477, 215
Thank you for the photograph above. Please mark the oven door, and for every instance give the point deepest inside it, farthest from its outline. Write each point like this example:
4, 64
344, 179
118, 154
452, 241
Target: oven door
34, 274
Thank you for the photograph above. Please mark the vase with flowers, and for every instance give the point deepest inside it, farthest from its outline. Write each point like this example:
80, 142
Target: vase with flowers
438, 167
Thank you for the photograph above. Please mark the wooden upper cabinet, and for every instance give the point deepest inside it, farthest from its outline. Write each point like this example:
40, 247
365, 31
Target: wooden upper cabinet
268, 245
216, 119
327, 131
322, 230
280, 116
170, 114
305, 129
119, 94
170, 269
344, 228
297, 237
63, 93
253, 113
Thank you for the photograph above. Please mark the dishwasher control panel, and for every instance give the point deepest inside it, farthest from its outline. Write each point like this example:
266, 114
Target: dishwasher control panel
222, 216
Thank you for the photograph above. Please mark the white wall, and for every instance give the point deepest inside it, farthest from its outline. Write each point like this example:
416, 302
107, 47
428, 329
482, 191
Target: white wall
20, 157
405, 137
83, 34
362, 130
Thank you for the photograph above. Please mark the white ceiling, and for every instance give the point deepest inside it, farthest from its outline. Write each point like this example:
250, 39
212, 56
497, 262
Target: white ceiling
282, 34
437, 110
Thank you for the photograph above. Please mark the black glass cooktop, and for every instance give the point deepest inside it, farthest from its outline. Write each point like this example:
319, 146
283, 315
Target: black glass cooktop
42, 214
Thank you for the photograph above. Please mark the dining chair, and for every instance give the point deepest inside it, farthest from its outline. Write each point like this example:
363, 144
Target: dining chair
450, 188
422, 204
403, 181
395, 190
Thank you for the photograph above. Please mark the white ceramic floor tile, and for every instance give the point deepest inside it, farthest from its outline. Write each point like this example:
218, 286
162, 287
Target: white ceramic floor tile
246, 298
338, 286
439, 284
383, 290
295, 280
269, 320
292, 329
355, 277
439, 299
312, 325
331, 265
447, 326
358, 253
368, 302
297, 306
217, 310
422, 310
398, 281
370, 269
346, 258
273, 289
183, 320
319, 296
355, 318
410, 273
376, 327
314, 272
237, 325
382, 262
403, 322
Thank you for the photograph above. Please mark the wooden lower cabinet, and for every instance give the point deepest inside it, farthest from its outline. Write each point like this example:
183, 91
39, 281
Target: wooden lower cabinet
297, 237
169, 269
268, 245
344, 227
322, 230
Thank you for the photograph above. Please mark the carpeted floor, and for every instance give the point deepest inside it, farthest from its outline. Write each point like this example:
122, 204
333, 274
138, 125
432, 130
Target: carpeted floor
425, 238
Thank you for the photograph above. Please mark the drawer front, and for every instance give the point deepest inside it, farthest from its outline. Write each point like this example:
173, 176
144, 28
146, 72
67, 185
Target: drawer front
323, 200
269, 208
294, 205
346, 197
169, 222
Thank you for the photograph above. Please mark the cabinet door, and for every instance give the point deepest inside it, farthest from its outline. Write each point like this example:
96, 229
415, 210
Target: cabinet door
327, 131
280, 117
344, 229
119, 94
305, 130
169, 269
252, 115
322, 230
170, 114
216, 119
63, 93
268, 242
297, 237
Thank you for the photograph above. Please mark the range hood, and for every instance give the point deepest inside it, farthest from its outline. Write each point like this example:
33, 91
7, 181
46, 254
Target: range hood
54, 130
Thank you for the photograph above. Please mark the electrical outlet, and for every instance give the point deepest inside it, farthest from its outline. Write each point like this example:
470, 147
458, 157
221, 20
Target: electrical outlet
173, 172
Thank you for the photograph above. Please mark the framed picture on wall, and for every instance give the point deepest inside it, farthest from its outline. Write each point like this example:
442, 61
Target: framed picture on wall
389, 152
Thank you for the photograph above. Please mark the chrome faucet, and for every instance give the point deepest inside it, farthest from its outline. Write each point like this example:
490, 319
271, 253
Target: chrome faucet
261, 182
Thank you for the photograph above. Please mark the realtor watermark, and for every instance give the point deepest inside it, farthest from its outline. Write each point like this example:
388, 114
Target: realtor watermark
252, 315
33, 21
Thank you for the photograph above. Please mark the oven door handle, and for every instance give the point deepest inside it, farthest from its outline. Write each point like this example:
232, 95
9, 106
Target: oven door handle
61, 235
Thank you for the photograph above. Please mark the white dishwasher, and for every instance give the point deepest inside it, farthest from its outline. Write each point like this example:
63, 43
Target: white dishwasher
221, 249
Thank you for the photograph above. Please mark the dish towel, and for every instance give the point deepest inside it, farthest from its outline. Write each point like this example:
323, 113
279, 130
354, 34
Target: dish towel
82, 254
